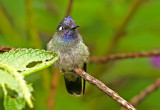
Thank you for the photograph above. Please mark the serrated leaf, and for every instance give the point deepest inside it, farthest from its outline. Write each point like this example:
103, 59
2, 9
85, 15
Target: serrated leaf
24, 90
17, 63
9, 80
19, 59
17, 103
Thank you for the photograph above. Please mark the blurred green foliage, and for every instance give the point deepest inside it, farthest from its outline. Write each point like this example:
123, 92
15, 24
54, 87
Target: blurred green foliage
31, 23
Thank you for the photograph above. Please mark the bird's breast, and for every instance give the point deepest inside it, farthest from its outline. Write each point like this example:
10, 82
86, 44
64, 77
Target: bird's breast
69, 59
70, 54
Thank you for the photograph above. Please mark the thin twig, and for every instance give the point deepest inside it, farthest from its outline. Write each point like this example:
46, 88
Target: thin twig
103, 88
124, 56
145, 93
69, 8
51, 8
6, 49
108, 58
118, 35
54, 85
121, 30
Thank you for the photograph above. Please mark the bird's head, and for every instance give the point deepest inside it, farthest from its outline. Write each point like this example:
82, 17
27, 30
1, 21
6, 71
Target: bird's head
67, 29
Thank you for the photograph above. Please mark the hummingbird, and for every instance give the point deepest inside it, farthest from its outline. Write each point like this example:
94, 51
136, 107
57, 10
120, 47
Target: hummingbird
72, 52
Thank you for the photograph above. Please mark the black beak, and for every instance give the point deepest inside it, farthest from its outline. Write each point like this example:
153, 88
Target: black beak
75, 27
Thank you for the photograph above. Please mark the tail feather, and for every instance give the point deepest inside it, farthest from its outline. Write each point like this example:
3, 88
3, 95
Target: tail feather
84, 81
84, 85
74, 87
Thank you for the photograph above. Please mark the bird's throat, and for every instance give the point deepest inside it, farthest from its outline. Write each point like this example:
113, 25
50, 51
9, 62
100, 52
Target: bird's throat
69, 36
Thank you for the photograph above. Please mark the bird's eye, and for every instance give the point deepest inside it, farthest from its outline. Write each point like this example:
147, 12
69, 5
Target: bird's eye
61, 28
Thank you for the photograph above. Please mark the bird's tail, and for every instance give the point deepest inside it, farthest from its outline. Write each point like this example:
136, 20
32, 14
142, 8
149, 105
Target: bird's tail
74, 87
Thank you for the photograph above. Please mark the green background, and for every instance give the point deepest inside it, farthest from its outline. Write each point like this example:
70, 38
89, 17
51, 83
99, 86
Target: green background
31, 24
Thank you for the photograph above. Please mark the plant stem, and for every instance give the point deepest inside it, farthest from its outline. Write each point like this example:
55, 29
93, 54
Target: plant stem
122, 28
53, 89
68, 12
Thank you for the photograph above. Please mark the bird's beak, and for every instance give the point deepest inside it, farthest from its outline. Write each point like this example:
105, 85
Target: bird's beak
75, 27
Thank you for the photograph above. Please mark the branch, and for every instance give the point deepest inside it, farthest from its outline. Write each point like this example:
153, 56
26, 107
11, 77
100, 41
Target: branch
145, 93
119, 34
51, 8
54, 85
108, 58
124, 56
103, 88
6, 49
69, 8
121, 30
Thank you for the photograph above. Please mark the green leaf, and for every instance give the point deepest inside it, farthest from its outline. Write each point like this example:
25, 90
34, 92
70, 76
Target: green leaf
17, 103
15, 64
20, 59
20, 81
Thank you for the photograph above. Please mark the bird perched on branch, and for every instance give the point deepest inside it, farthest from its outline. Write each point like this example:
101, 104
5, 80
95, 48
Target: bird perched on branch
68, 44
